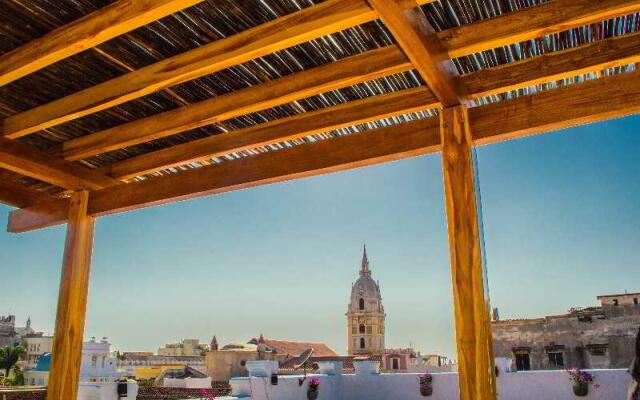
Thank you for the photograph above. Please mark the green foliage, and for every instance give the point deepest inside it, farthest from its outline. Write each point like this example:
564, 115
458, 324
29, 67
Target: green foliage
9, 357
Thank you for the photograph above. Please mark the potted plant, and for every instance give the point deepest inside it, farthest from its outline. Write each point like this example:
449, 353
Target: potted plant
581, 380
314, 389
426, 388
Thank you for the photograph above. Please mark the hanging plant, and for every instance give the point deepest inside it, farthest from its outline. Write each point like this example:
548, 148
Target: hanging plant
426, 387
581, 381
314, 389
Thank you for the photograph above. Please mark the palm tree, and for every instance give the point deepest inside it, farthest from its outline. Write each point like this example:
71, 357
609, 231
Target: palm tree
9, 357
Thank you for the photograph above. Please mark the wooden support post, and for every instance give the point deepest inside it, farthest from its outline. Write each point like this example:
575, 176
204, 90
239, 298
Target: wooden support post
72, 301
471, 303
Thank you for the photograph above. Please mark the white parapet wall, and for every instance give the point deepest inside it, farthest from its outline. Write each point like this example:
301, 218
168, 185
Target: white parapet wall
106, 391
533, 385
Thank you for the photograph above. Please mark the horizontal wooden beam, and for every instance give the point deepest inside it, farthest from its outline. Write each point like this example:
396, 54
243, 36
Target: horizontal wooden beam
346, 152
592, 101
29, 161
308, 24
558, 65
293, 29
538, 21
416, 37
84, 33
367, 66
15, 194
548, 68
295, 127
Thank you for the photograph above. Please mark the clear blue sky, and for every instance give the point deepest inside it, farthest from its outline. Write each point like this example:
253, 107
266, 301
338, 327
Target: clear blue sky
562, 225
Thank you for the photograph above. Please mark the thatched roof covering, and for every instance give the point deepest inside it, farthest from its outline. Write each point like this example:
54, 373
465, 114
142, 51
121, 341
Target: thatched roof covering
23, 20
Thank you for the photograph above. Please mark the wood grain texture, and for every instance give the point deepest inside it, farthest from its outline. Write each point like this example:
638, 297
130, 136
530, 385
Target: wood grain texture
551, 67
597, 100
471, 305
367, 66
295, 127
417, 39
326, 156
15, 194
89, 31
281, 33
72, 301
533, 22
29, 161
592, 101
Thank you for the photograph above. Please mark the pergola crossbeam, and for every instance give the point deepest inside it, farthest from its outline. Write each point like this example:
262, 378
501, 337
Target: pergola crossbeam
300, 27
367, 66
29, 161
96, 28
295, 127
417, 39
591, 101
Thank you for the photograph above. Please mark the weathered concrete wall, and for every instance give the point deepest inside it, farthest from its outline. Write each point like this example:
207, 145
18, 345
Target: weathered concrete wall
574, 336
222, 365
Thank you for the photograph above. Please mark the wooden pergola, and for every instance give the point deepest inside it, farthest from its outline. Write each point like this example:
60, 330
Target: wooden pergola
510, 73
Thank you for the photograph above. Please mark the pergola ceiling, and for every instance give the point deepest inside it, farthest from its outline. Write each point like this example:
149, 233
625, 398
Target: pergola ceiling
224, 95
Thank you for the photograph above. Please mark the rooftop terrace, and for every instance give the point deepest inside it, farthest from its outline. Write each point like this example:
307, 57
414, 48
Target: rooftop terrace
110, 106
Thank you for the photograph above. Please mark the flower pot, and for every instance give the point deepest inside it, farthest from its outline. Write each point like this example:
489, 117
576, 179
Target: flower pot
581, 389
426, 391
312, 394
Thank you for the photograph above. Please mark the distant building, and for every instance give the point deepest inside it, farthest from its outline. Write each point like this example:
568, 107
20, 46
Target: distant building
36, 344
188, 347
409, 361
146, 365
10, 334
230, 360
97, 365
365, 315
592, 337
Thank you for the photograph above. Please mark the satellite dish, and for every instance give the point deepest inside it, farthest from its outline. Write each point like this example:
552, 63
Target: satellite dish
302, 361
303, 358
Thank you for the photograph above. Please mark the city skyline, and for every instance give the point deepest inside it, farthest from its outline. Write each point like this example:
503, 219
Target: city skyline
280, 259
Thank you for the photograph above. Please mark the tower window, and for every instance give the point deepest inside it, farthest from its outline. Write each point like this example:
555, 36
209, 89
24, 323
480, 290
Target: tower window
615, 302
635, 301
362, 343
362, 328
362, 304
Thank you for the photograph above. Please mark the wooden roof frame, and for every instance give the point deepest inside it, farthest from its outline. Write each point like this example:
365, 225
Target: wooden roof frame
466, 119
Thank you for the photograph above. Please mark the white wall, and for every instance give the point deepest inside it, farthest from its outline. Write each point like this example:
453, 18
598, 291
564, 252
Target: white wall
533, 385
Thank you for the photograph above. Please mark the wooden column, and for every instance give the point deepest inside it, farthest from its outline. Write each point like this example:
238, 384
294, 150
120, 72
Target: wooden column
72, 301
471, 303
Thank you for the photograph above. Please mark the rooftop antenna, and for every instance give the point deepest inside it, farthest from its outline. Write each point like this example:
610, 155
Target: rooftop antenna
302, 361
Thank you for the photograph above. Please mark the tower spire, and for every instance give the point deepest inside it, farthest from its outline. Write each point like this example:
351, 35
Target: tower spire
364, 268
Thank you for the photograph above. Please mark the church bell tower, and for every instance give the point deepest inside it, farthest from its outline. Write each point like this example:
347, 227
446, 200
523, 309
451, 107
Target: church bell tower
365, 315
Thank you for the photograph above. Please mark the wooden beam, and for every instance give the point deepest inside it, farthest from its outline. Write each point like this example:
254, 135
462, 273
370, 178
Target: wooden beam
417, 39
530, 23
293, 29
84, 33
26, 160
551, 67
72, 301
302, 26
295, 127
367, 66
471, 305
325, 156
15, 194
584, 103
592, 101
